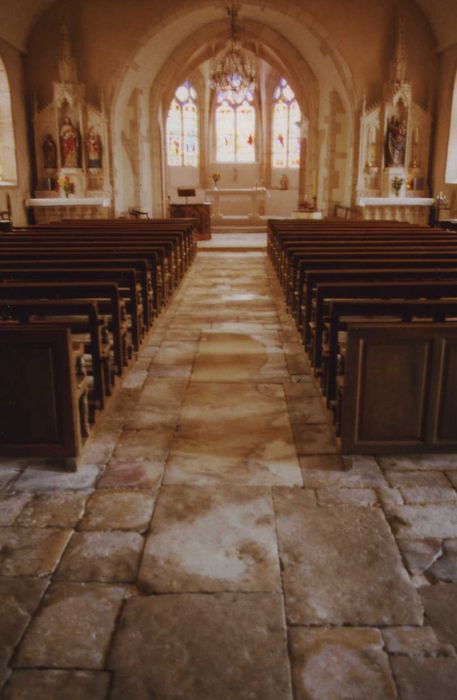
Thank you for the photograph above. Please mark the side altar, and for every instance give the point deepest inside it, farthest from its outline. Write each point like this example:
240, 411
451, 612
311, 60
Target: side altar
71, 150
394, 150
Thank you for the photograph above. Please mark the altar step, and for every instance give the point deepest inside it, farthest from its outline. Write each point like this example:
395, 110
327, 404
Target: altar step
239, 227
234, 242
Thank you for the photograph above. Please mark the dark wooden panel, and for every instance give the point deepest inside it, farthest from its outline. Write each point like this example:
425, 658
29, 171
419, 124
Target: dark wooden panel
392, 390
447, 422
28, 411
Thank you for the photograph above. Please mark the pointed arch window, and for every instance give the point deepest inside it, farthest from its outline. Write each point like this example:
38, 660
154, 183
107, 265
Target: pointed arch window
8, 169
235, 122
451, 165
182, 127
285, 127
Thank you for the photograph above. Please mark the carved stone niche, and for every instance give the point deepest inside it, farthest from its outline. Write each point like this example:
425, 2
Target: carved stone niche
394, 138
71, 138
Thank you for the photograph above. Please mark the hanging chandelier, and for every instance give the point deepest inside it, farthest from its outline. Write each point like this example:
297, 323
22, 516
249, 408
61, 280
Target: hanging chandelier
232, 69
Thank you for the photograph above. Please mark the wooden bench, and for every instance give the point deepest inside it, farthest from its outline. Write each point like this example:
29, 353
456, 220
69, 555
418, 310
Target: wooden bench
399, 389
343, 312
43, 393
368, 290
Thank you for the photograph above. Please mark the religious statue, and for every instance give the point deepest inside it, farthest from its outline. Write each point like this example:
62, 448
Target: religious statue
94, 149
49, 153
70, 144
395, 142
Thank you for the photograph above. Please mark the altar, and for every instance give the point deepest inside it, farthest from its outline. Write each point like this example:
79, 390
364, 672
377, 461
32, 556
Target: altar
415, 210
47, 209
237, 204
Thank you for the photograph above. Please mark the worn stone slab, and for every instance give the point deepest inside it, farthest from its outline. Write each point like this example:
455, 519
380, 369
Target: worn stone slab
201, 646
362, 474
11, 505
452, 476
445, 567
417, 462
26, 552
118, 510
58, 509
422, 486
415, 641
340, 565
425, 679
413, 479
174, 359
211, 539
331, 664
237, 357
419, 495
138, 459
314, 439
322, 463
389, 497
143, 446
10, 470
237, 433
101, 556
440, 603
134, 474
45, 478
159, 404
19, 598
354, 497
423, 521
89, 611
54, 685
101, 446
419, 555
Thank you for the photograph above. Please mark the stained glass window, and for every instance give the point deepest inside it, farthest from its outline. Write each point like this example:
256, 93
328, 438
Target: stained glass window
182, 127
235, 126
286, 127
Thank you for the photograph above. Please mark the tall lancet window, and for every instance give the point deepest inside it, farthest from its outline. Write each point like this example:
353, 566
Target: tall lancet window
286, 127
235, 126
8, 172
451, 165
182, 127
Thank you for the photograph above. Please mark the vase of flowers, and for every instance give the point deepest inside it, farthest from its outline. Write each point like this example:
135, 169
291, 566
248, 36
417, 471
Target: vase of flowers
216, 177
66, 185
396, 184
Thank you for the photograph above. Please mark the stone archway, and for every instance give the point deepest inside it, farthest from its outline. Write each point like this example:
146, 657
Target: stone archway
313, 66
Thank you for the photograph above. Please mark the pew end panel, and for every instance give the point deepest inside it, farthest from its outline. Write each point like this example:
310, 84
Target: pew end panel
43, 394
400, 389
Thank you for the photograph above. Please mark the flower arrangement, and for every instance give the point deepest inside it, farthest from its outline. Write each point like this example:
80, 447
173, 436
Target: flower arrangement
397, 183
216, 177
65, 184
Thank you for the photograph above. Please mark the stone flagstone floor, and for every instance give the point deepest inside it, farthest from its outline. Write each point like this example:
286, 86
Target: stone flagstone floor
213, 545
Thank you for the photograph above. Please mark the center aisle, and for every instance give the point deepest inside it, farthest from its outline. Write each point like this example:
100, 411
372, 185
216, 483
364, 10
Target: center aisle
211, 545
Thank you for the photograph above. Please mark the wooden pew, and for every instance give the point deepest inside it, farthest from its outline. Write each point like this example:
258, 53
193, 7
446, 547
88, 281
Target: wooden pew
431, 289
129, 288
106, 295
81, 318
366, 274
399, 390
343, 312
43, 393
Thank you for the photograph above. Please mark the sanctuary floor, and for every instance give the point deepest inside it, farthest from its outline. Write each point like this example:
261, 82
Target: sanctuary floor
213, 545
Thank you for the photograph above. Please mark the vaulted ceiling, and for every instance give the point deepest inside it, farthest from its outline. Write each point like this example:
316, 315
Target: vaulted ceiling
16, 19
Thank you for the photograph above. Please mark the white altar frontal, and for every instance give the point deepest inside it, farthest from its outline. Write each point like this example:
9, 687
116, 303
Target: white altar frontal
47, 209
415, 210
237, 204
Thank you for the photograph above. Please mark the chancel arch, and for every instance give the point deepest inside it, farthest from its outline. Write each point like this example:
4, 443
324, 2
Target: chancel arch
192, 56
